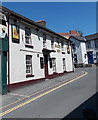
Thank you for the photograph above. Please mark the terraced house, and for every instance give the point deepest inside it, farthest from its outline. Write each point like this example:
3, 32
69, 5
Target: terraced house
92, 48
34, 51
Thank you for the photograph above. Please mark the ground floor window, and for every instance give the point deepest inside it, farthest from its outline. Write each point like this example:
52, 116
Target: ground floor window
28, 64
54, 64
75, 58
64, 65
50, 60
41, 62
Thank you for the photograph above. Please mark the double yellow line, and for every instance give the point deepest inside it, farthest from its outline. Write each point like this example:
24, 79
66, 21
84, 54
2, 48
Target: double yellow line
41, 95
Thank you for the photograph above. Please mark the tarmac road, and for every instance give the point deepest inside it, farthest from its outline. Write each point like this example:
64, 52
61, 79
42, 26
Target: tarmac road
60, 102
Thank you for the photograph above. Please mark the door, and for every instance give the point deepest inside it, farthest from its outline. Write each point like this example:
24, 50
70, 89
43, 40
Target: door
54, 64
46, 65
90, 57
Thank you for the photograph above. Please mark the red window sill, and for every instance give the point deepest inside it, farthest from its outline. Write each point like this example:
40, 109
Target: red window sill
29, 75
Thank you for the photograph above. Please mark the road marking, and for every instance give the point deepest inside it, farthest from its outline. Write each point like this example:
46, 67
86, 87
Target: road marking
43, 90
18, 95
43, 94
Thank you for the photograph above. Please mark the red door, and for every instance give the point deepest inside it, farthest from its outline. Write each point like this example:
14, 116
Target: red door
46, 65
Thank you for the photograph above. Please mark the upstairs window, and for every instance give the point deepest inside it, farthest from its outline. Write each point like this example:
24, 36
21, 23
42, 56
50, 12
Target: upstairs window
44, 40
68, 49
52, 42
62, 45
96, 43
88, 44
58, 41
28, 36
73, 46
3, 20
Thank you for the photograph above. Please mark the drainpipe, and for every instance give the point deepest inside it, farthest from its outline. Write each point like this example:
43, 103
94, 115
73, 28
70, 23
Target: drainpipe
72, 58
8, 88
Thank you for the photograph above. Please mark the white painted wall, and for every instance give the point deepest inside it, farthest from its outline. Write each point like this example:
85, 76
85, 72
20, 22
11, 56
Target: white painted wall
80, 51
93, 49
18, 54
84, 51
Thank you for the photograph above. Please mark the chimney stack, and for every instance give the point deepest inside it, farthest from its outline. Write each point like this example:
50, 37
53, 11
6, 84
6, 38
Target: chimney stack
41, 22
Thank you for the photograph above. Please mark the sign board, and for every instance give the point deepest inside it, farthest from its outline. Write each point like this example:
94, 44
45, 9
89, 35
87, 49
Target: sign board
15, 33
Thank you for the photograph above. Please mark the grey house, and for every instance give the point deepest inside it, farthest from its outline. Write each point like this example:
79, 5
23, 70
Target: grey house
92, 48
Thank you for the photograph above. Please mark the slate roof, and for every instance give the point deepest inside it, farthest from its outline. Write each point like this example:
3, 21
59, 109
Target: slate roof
79, 38
92, 37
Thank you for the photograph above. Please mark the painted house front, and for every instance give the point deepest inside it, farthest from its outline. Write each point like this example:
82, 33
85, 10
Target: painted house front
92, 48
79, 50
35, 52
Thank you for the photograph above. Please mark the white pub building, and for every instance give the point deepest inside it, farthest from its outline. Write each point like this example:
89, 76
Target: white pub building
34, 51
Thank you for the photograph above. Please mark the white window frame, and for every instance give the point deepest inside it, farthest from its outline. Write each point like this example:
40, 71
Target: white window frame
44, 40
64, 64
28, 37
62, 45
54, 64
28, 65
52, 42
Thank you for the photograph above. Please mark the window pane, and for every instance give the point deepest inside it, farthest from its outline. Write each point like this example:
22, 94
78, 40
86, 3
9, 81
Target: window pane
41, 63
50, 59
28, 36
28, 64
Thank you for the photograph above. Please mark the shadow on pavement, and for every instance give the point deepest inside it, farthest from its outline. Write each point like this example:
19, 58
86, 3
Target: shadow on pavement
91, 104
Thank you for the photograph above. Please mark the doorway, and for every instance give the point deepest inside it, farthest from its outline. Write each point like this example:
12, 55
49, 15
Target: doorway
46, 65
96, 57
90, 57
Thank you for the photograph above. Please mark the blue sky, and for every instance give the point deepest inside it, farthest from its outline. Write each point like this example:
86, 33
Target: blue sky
60, 16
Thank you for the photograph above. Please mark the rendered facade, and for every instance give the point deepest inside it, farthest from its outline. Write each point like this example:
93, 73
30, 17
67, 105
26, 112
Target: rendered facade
92, 48
79, 50
34, 51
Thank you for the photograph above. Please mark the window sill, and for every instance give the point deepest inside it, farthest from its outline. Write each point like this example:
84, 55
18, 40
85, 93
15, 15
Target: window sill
63, 52
29, 46
29, 75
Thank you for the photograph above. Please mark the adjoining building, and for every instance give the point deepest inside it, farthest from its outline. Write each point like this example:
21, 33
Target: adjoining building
92, 48
79, 50
34, 51
78, 47
70, 33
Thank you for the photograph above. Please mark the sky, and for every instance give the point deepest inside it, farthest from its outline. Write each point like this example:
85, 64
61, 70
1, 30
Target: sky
59, 16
